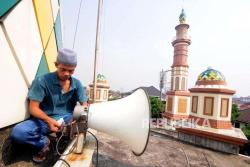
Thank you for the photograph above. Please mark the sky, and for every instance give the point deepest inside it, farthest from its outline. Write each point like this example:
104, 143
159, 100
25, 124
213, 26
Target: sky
136, 36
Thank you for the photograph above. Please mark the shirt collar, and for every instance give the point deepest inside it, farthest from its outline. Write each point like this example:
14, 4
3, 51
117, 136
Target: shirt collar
56, 81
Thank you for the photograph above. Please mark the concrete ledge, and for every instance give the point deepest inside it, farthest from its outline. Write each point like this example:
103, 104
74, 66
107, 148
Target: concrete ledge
214, 136
76, 160
210, 140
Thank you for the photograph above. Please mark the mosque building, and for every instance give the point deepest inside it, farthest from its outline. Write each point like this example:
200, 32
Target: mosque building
179, 97
204, 110
212, 100
102, 89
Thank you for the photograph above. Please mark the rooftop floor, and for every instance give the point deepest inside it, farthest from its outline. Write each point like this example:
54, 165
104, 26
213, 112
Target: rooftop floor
161, 151
164, 151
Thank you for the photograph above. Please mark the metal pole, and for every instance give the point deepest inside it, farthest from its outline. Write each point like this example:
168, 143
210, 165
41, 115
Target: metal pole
166, 72
163, 78
97, 50
161, 83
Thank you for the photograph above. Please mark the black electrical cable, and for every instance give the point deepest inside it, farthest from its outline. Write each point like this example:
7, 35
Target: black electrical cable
96, 148
64, 161
74, 147
57, 143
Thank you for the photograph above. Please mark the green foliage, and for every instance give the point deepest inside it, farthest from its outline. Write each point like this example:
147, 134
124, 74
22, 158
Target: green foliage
157, 107
235, 115
246, 131
235, 112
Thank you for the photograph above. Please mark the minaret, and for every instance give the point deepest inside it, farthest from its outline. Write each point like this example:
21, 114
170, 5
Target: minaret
178, 99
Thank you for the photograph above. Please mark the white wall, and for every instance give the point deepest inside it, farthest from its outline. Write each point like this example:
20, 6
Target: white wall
216, 107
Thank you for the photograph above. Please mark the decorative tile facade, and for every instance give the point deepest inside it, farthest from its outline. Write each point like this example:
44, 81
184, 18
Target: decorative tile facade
30, 36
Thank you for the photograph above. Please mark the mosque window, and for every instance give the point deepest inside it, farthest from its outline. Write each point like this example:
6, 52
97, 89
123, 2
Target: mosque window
208, 105
91, 94
183, 83
172, 83
98, 93
194, 104
177, 83
169, 104
105, 95
224, 107
182, 105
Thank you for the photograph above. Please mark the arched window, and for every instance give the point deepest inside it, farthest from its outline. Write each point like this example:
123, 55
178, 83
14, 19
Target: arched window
177, 84
183, 83
172, 83
224, 107
194, 104
208, 105
98, 94
105, 95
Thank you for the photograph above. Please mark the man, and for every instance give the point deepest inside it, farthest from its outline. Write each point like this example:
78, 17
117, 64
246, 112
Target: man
52, 96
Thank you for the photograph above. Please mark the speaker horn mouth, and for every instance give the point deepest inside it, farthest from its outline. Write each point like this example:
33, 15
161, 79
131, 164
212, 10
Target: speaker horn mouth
149, 104
116, 118
139, 154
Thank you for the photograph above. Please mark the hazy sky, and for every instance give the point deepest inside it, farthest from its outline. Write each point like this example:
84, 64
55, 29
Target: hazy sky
136, 38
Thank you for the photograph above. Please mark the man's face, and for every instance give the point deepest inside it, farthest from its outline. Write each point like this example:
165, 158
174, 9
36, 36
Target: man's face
64, 72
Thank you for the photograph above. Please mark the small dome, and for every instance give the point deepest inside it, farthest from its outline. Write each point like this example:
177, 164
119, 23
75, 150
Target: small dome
211, 75
182, 17
101, 82
212, 81
101, 78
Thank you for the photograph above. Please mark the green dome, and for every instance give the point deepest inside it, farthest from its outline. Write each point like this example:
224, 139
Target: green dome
211, 75
101, 77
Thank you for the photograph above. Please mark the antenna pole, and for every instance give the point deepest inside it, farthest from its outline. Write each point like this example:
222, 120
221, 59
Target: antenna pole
97, 50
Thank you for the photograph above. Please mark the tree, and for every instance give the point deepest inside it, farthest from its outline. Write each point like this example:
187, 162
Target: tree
157, 107
246, 131
235, 112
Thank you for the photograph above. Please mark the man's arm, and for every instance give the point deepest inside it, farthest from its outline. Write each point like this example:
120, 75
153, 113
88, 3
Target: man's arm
38, 113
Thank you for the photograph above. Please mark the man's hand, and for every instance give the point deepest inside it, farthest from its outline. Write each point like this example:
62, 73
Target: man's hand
53, 125
38, 113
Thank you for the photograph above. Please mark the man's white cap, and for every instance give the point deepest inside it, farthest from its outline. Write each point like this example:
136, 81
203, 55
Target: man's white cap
67, 57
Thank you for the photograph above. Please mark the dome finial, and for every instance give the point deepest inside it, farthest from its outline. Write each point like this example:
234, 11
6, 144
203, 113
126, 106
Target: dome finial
182, 17
209, 68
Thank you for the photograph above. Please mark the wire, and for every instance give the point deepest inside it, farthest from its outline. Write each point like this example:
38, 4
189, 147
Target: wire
79, 11
74, 146
185, 156
96, 148
206, 159
57, 143
64, 161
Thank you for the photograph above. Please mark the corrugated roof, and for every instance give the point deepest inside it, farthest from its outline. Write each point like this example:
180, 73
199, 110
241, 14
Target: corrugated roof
244, 116
152, 91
